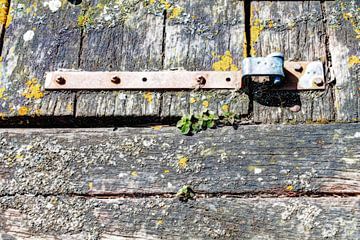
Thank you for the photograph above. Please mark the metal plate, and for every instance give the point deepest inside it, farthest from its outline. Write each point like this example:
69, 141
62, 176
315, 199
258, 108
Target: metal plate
298, 76
142, 80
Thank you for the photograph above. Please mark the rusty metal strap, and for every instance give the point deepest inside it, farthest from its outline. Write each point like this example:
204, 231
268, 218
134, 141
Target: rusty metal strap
298, 76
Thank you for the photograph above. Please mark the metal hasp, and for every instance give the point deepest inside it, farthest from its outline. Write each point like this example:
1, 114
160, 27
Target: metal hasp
271, 66
77, 80
284, 75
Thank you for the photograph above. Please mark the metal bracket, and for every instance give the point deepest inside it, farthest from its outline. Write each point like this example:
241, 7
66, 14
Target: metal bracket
271, 66
282, 76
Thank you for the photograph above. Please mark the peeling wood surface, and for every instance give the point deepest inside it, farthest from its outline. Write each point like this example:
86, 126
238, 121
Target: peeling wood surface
275, 160
57, 217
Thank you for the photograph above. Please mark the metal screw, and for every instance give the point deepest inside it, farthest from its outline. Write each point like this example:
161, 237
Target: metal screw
298, 68
60, 80
201, 80
116, 80
318, 81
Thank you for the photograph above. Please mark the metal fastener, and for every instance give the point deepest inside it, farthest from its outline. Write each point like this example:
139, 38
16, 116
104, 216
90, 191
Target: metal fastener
116, 80
60, 80
318, 81
201, 80
298, 68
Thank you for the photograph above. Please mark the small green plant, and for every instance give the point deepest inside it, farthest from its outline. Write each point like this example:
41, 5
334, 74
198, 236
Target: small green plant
185, 193
191, 124
229, 118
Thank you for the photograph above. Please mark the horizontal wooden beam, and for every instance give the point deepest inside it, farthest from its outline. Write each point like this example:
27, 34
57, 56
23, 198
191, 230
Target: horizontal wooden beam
54, 217
276, 160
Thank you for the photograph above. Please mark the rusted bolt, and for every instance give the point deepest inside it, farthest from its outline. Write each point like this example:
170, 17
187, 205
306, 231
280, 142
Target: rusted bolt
201, 80
116, 80
298, 68
60, 80
318, 81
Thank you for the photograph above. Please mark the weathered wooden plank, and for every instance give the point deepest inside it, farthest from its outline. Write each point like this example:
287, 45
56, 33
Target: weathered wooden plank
208, 35
41, 36
343, 25
252, 159
57, 217
295, 28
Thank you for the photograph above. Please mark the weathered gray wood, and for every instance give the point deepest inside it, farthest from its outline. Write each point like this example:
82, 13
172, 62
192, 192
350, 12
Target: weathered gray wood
55, 217
253, 159
208, 35
343, 26
39, 38
295, 28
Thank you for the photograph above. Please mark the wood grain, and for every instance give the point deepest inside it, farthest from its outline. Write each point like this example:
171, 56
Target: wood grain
275, 160
295, 28
343, 26
54, 217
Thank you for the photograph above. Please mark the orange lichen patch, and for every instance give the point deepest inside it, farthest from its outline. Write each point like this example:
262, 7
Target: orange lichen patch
173, 10
134, 173
183, 162
148, 97
23, 111
353, 60
225, 63
354, 22
33, 90
4, 10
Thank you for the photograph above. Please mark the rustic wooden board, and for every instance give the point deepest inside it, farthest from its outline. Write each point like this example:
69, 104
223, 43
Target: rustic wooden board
101, 35
38, 39
343, 26
295, 28
278, 160
55, 217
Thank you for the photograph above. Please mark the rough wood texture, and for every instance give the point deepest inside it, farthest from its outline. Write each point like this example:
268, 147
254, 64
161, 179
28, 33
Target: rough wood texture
101, 35
57, 217
343, 26
251, 160
295, 28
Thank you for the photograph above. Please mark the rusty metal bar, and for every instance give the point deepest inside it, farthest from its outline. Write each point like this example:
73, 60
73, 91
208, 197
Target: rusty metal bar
298, 76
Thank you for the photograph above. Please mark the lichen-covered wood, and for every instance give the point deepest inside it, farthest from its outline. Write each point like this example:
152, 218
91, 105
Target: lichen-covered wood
55, 217
343, 28
281, 160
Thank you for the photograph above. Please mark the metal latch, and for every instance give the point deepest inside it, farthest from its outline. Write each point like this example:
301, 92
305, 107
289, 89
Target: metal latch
282, 75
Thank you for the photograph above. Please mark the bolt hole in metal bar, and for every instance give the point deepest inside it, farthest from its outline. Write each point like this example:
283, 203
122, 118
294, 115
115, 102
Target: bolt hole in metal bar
298, 76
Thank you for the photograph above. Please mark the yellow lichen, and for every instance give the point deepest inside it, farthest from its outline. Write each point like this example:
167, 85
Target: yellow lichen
37, 112
290, 188
225, 108
255, 30
353, 60
4, 9
23, 111
183, 162
193, 100
175, 12
166, 171
69, 107
2, 90
33, 90
134, 173
157, 128
160, 222
148, 97
225, 63
91, 185
205, 104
